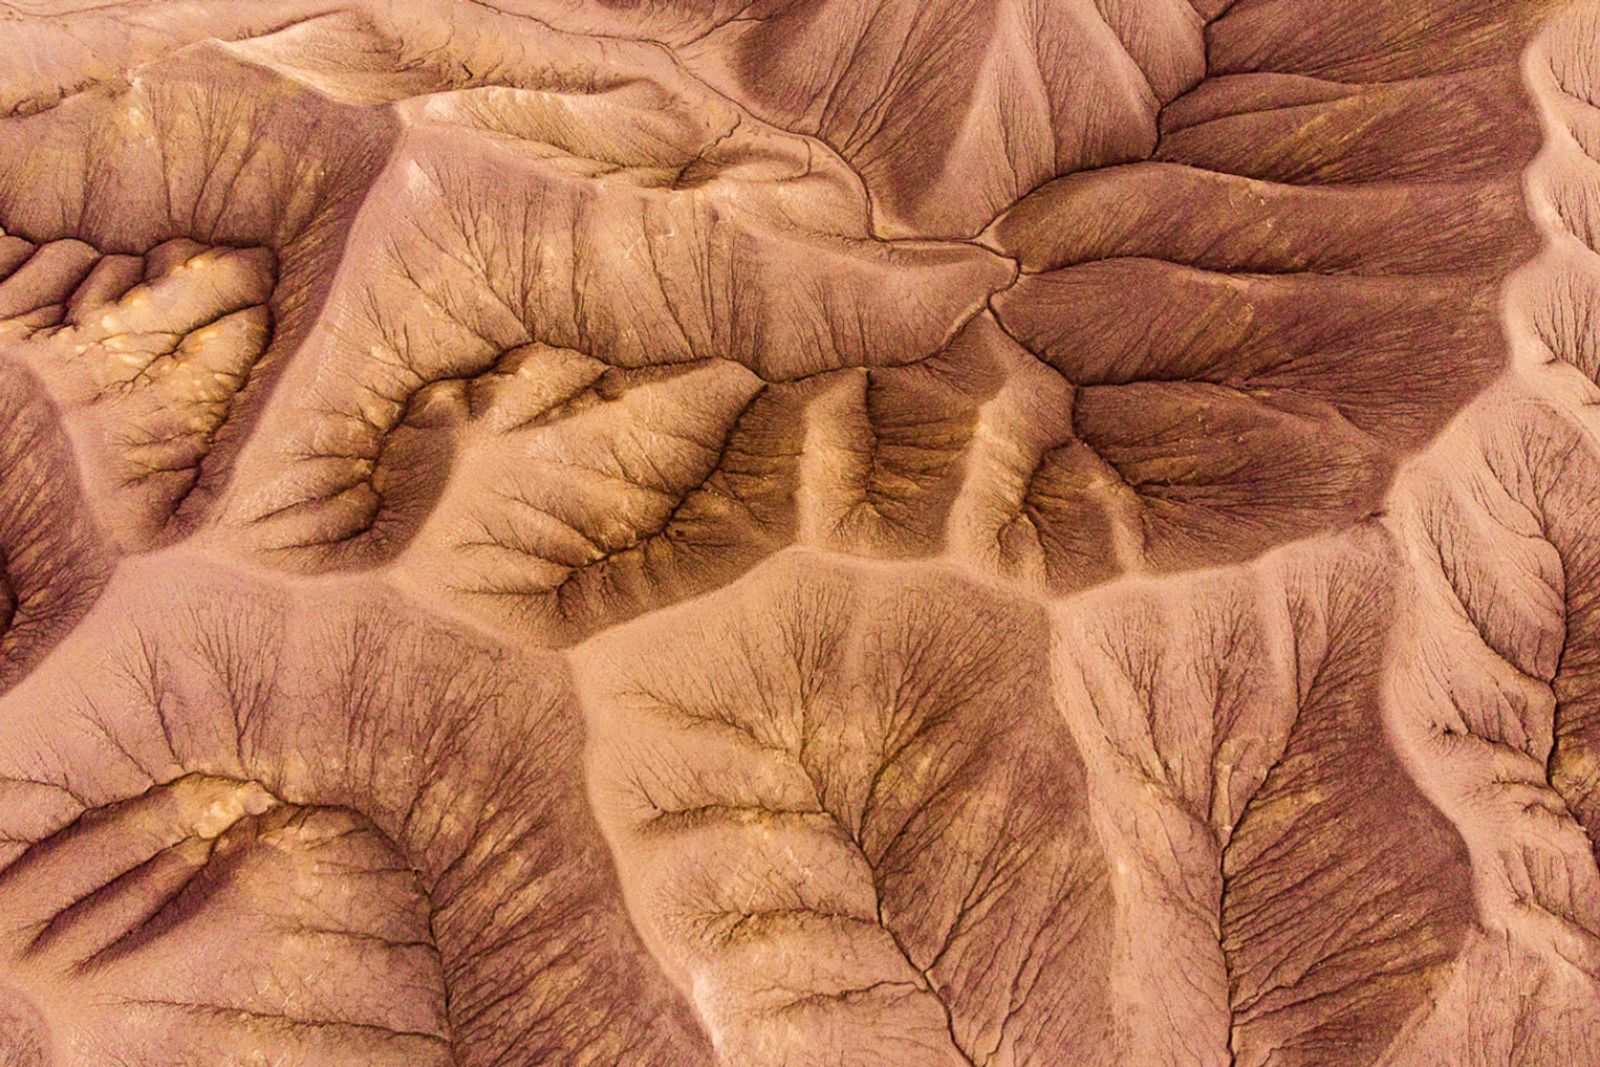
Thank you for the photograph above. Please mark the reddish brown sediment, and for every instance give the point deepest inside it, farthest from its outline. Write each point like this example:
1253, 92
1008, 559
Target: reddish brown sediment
662, 533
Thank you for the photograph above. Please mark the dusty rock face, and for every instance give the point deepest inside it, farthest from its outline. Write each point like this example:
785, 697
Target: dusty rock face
885, 533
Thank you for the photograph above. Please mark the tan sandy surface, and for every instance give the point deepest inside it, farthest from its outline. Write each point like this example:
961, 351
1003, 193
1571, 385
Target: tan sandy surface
800, 533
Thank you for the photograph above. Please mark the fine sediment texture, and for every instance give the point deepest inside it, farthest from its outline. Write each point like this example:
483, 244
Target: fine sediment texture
800, 533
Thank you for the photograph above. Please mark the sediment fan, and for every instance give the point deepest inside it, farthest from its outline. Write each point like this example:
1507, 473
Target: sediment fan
854, 533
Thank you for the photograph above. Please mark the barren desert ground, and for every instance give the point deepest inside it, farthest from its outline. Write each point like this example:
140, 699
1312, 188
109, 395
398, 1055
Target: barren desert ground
799, 533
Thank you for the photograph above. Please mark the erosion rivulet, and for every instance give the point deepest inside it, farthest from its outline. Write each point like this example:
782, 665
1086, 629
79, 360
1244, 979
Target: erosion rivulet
853, 533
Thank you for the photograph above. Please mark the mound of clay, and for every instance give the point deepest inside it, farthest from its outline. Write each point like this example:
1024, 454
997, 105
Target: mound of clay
800, 533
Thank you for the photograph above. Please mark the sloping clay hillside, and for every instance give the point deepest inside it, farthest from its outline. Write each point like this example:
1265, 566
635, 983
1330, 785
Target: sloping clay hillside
800, 533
